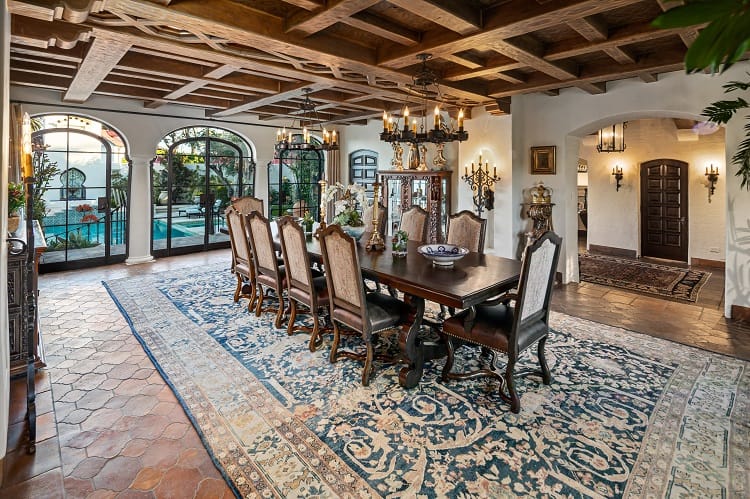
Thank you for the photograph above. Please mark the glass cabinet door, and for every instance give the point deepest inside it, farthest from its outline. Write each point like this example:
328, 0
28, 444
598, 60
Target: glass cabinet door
393, 193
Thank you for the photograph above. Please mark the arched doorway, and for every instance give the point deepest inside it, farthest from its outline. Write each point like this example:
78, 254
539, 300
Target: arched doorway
196, 172
82, 191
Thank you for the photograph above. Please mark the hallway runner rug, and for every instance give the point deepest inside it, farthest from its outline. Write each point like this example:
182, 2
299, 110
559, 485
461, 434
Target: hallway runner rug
626, 415
642, 277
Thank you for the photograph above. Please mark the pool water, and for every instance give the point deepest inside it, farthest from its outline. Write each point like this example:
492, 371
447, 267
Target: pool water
95, 231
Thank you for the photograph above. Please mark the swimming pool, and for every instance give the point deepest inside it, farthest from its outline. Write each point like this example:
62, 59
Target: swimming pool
94, 232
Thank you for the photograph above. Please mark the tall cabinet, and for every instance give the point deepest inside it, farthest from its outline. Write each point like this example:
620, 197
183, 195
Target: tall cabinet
430, 190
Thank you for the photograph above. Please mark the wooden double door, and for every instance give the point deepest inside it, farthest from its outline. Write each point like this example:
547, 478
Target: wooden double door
664, 209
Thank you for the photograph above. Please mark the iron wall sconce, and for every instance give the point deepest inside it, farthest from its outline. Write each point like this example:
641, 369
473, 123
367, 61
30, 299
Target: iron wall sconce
617, 172
713, 176
481, 183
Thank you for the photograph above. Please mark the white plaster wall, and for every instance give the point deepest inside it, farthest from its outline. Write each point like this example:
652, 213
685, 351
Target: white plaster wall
562, 120
614, 217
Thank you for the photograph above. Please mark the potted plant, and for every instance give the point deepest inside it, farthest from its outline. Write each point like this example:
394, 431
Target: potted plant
16, 200
308, 221
398, 243
346, 209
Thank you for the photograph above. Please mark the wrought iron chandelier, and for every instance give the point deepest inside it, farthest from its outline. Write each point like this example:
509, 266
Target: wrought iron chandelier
425, 87
309, 122
612, 139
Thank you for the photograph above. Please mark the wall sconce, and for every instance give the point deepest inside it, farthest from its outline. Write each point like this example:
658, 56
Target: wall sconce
481, 182
617, 172
713, 176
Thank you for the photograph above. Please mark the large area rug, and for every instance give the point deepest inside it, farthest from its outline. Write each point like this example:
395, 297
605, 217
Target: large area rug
627, 415
642, 277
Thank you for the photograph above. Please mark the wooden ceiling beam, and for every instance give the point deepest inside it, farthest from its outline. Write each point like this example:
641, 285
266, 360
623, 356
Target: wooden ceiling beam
647, 77
306, 4
620, 55
44, 69
103, 55
465, 60
290, 92
333, 12
243, 25
38, 80
592, 88
590, 28
509, 19
657, 63
523, 51
687, 36
35, 33
383, 28
460, 17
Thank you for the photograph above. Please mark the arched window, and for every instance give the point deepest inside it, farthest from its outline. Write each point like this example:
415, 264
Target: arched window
72, 188
195, 174
81, 195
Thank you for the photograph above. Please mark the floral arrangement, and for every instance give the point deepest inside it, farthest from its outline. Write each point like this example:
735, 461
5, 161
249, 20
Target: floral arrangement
16, 198
345, 210
89, 218
82, 208
308, 220
398, 242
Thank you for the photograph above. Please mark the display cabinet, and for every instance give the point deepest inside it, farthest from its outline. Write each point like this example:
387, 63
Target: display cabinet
430, 190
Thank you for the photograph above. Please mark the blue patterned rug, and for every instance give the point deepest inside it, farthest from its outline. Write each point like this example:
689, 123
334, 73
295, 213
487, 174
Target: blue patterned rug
627, 415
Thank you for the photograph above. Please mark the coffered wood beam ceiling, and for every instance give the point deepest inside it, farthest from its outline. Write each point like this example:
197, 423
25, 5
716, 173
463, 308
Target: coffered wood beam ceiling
254, 58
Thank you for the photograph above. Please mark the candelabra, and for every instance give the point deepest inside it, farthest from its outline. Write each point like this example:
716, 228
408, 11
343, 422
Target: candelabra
712, 176
323, 184
376, 240
481, 183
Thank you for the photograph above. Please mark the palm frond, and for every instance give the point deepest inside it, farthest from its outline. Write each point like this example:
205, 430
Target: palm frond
723, 110
741, 158
736, 85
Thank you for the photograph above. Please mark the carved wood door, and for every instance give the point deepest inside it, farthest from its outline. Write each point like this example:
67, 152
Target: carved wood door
664, 209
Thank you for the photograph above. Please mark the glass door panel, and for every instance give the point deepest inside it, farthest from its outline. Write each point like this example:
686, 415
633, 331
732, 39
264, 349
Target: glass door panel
191, 201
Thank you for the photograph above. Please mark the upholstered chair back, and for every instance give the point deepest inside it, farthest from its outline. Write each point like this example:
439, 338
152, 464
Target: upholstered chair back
414, 222
262, 244
539, 273
248, 204
238, 239
367, 218
345, 287
467, 230
296, 257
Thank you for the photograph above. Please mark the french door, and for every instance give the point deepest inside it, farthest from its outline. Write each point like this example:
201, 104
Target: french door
191, 189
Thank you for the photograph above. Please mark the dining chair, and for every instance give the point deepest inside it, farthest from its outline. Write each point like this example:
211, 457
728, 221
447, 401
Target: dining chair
467, 230
268, 273
242, 260
507, 328
414, 222
248, 204
302, 286
367, 219
368, 314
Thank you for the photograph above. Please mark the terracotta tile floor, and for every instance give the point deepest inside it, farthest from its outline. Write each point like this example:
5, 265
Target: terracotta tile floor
110, 427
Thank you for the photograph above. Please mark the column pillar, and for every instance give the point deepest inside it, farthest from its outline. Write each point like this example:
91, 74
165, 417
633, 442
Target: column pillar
139, 250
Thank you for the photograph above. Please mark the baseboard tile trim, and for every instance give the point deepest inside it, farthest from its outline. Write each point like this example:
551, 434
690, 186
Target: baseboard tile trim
609, 250
740, 313
704, 262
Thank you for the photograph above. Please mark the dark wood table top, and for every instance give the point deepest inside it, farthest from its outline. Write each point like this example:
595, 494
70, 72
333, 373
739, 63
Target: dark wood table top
472, 280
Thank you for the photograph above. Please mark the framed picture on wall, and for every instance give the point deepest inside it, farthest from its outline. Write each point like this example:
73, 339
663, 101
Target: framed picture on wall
543, 160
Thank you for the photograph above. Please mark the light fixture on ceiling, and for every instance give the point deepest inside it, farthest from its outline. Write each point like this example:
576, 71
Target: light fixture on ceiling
612, 139
310, 123
426, 89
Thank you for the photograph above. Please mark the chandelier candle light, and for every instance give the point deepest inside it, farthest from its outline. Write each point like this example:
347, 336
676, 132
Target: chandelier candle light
425, 85
288, 140
481, 183
712, 176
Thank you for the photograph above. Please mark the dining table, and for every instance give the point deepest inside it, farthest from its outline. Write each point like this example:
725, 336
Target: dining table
470, 281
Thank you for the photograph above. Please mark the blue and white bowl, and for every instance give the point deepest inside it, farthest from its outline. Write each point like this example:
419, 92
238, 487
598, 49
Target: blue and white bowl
443, 254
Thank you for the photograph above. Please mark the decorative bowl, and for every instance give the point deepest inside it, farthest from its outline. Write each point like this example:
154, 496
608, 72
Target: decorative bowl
355, 232
443, 255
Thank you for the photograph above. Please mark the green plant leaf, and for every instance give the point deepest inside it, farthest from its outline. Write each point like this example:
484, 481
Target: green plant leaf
741, 158
723, 110
694, 12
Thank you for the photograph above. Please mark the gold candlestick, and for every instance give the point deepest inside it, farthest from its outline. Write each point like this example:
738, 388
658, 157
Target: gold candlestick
322, 225
376, 240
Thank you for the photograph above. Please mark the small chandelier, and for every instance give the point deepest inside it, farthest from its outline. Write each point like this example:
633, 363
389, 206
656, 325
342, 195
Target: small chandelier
612, 139
425, 87
308, 121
